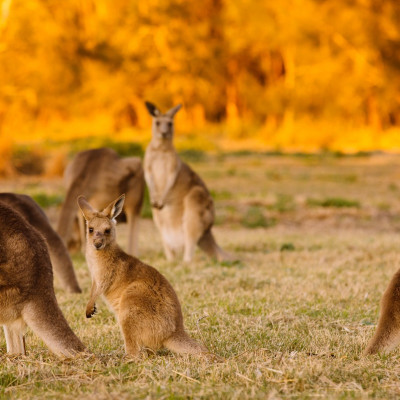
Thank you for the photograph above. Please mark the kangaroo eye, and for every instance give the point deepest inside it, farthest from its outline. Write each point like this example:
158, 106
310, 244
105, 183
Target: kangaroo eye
157, 123
107, 231
170, 124
90, 230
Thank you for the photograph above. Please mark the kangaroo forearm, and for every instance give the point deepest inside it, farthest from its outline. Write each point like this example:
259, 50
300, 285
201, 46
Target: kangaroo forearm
168, 187
91, 305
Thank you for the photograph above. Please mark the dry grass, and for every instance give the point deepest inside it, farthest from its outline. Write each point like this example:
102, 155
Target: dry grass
291, 319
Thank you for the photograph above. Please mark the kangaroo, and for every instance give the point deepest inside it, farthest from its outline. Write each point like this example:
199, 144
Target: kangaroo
59, 256
183, 209
387, 334
26, 289
146, 305
101, 175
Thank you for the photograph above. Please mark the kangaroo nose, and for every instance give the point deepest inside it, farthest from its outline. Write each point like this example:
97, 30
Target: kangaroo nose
97, 245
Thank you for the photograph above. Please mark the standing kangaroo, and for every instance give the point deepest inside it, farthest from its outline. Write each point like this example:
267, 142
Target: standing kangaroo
59, 256
387, 335
183, 209
101, 175
146, 305
26, 289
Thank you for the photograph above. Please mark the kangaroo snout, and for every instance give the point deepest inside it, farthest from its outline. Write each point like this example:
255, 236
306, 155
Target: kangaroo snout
98, 245
98, 241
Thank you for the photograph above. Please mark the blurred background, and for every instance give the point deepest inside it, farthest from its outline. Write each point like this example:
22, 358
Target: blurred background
278, 76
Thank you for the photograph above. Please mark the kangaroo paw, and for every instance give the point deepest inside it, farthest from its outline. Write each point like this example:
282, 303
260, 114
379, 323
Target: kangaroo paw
91, 311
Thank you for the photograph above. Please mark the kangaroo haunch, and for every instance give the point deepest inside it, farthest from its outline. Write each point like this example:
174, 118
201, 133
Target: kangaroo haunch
27, 294
387, 335
34, 215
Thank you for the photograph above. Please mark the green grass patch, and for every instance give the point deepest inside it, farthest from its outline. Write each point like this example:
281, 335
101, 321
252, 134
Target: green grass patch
287, 247
146, 208
336, 202
254, 218
221, 195
47, 200
124, 149
283, 203
193, 155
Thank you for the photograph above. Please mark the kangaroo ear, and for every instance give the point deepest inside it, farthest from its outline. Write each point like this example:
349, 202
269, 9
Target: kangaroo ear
114, 209
87, 210
153, 110
171, 113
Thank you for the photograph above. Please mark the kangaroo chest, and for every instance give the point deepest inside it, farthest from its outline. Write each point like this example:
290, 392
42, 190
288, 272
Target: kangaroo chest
163, 166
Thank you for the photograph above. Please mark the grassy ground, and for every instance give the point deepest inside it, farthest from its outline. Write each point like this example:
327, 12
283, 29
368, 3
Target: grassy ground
318, 240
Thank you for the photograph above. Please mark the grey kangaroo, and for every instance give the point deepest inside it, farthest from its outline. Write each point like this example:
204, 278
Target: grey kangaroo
26, 289
144, 302
101, 175
183, 209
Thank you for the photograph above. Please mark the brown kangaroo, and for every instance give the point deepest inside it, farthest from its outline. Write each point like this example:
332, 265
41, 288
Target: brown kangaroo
101, 175
146, 305
387, 335
183, 209
59, 256
26, 289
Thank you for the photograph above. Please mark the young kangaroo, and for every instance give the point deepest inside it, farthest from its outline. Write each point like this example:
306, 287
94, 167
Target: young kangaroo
183, 209
26, 289
387, 335
101, 175
59, 256
146, 305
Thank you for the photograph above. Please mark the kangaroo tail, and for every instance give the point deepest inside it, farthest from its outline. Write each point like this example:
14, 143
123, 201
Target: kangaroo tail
45, 318
208, 244
182, 343
68, 211
386, 338
62, 263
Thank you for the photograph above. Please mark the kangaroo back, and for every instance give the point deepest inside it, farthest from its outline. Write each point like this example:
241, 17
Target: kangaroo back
35, 216
81, 175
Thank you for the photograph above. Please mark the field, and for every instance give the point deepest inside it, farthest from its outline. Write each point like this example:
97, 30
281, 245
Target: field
318, 241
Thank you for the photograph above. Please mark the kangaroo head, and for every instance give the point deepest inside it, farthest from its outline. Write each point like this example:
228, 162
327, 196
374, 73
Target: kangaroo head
100, 225
163, 124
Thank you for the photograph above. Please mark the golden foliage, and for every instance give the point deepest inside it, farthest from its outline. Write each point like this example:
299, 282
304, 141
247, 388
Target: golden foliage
293, 74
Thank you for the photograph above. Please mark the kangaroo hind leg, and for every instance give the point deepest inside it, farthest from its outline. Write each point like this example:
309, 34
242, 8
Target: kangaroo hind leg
132, 347
198, 216
15, 340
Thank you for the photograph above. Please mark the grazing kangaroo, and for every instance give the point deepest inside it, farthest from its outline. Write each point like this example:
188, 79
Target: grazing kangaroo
101, 175
183, 209
387, 335
26, 289
146, 305
34, 215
